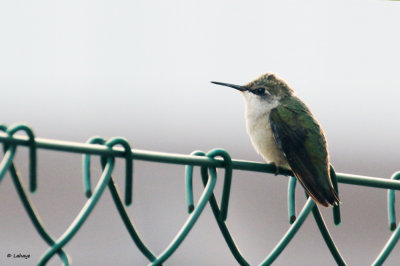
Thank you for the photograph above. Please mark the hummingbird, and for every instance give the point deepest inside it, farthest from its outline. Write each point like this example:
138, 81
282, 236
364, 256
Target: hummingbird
284, 132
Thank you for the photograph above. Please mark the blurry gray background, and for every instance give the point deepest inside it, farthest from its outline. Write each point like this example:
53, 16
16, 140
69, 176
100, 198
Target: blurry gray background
141, 69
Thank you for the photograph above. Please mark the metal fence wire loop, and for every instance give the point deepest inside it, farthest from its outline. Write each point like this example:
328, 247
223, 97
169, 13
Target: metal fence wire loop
226, 190
391, 200
291, 199
10, 131
189, 182
9, 153
128, 165
128, 222
87, 184
394, 238
207, 163
336, 208
33, 215
227, 180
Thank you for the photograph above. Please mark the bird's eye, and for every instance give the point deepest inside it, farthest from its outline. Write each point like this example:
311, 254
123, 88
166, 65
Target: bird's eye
259, 91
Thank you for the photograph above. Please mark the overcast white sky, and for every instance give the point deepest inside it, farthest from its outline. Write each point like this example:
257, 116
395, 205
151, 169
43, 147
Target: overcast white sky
141, 69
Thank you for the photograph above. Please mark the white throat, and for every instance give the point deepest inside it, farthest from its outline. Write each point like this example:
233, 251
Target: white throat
257, 108
259, 128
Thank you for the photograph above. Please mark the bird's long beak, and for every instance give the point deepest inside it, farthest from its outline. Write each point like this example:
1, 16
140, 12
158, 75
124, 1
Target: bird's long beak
237, 87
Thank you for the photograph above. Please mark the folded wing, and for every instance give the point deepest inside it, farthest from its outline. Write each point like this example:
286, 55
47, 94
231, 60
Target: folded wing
302, 141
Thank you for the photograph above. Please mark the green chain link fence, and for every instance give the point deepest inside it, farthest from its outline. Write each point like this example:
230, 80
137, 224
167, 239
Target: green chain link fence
208, 162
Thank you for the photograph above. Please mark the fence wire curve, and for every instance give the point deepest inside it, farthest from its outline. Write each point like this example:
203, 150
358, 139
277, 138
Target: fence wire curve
208, 163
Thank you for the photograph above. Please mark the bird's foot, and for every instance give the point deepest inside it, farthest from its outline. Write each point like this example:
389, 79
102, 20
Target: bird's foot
276, 169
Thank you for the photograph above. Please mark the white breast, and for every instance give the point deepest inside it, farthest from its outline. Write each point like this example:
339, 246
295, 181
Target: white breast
259, 129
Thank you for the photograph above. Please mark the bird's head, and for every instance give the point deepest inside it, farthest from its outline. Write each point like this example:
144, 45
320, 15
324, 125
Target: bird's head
266, 88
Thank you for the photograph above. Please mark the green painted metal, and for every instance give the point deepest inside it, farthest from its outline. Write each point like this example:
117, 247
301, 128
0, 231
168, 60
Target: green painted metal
7, 160
208, 162
291, 199
174, 158
290, 233
318, 219
10, 131
327, 237
208, 190
394, 238
82, 216
392, 225
33, 215
128, 169
128, 222
391, 203
336, 209
227, 181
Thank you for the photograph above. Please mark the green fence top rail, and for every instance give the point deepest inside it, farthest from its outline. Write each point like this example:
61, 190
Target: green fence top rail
174, 158
208, 162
